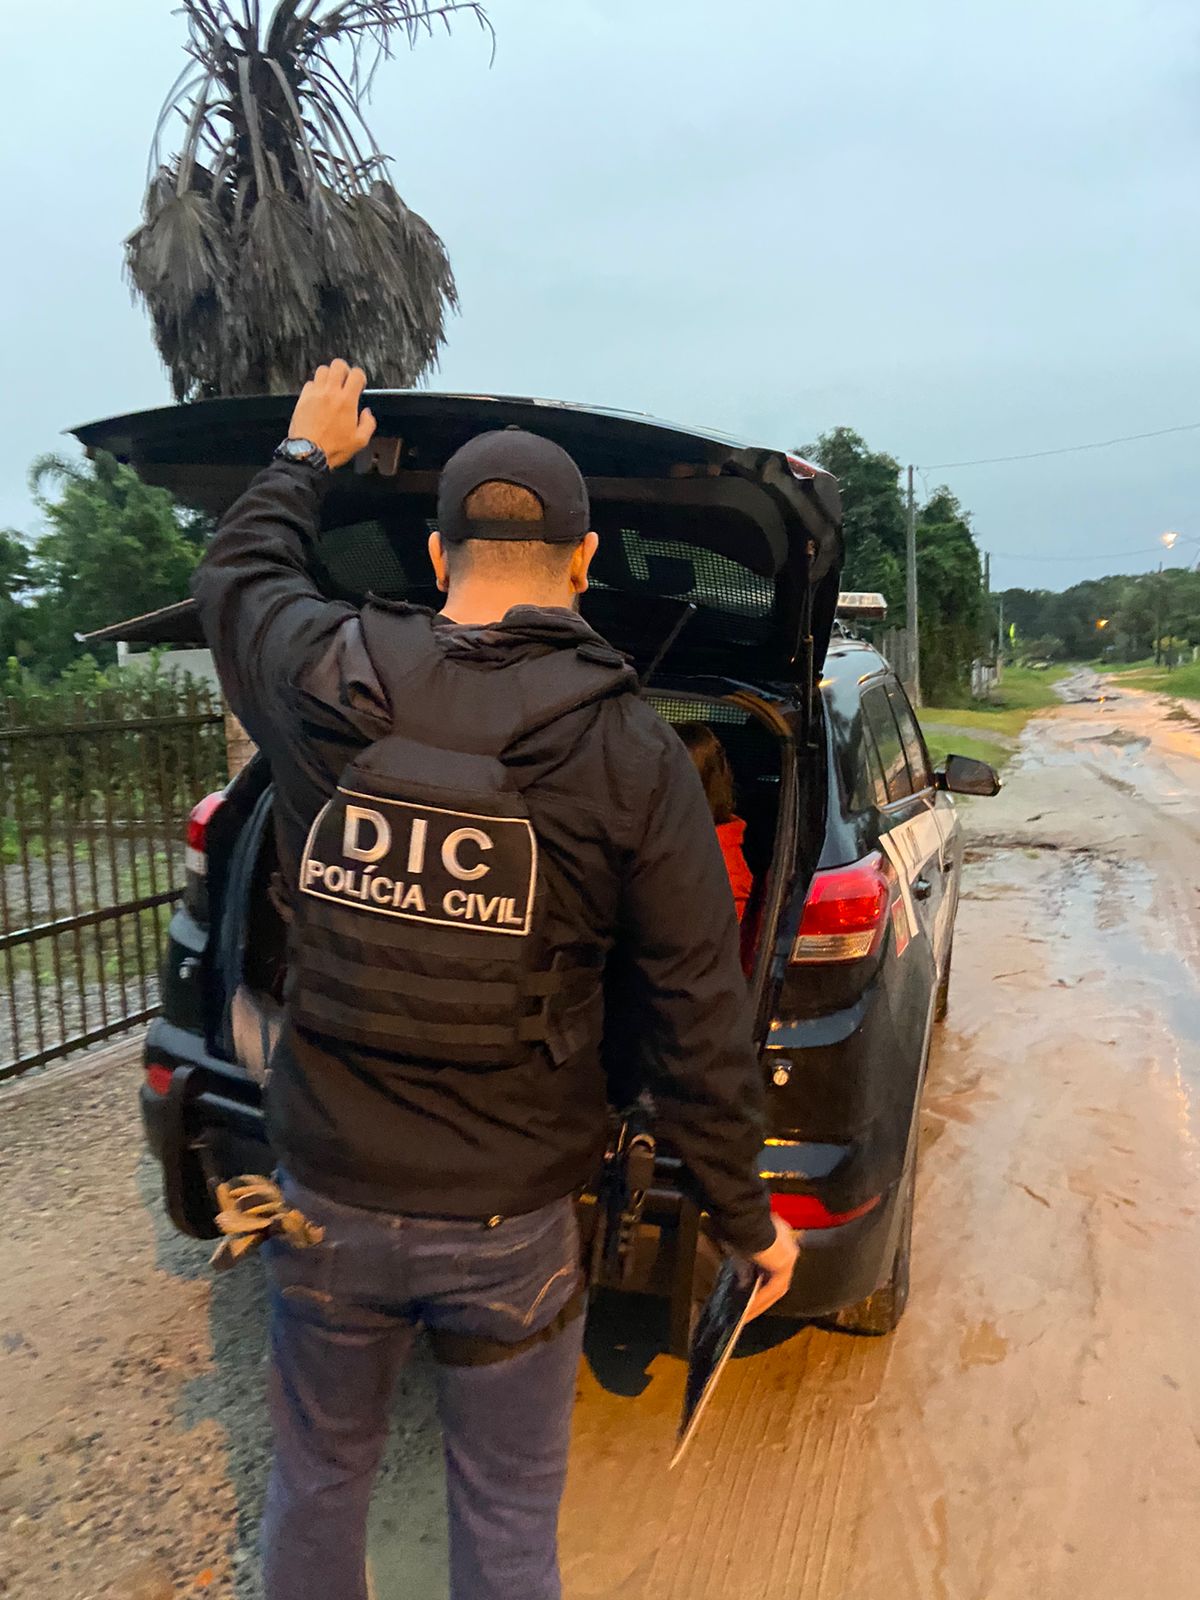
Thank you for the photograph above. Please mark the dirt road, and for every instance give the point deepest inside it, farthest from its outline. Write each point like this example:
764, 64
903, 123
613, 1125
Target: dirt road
1032, 1431
1034, 1427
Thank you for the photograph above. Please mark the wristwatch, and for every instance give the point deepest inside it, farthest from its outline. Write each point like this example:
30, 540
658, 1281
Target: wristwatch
302, 452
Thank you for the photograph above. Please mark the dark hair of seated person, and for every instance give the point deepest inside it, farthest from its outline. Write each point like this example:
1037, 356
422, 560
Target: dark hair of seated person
712, 764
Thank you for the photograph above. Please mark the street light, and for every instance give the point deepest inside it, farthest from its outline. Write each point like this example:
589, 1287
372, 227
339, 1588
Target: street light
1102, 622
1170, 539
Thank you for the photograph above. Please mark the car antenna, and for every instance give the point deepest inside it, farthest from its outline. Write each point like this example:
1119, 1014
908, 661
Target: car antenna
687, 612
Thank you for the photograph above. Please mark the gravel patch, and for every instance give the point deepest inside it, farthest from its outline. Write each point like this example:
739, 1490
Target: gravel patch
113, 1485
133, 1432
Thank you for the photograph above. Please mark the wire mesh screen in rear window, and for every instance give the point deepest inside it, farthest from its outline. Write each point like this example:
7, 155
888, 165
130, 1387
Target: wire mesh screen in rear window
674, 710
678, 570
364, 557
636, 583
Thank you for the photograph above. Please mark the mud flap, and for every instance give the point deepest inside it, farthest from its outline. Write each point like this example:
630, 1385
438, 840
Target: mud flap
698, 1259
186, 1192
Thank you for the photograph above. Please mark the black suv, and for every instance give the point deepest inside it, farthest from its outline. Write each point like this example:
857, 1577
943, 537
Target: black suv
718, 574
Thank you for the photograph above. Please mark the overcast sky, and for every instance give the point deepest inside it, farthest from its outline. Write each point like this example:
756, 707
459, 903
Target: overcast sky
963, 229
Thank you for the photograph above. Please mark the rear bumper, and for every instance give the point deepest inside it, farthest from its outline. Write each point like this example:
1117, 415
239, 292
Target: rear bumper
676, 1255
840, 1266
210, 1124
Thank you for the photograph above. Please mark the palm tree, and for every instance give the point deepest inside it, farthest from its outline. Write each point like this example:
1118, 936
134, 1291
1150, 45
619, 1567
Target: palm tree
275, 238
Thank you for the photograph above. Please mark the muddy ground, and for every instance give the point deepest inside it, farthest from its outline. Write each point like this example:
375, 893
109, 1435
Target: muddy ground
1032, 1430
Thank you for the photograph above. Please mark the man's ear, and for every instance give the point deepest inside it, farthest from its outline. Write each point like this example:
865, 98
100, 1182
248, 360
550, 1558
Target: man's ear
437, 556
582, 560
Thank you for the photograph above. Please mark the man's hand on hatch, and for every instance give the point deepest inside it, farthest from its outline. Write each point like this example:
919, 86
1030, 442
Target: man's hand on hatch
778, 1263
327, 412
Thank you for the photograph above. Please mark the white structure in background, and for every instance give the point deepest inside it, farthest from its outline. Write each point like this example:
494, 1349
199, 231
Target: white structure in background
196, 664
984, 677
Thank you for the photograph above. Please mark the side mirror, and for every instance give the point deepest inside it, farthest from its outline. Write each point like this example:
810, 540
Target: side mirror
965, 775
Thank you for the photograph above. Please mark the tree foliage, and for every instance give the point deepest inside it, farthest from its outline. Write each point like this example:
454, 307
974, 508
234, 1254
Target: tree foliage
952, 604
873, 510
110, 547
1127, 618
16, 576
275, 238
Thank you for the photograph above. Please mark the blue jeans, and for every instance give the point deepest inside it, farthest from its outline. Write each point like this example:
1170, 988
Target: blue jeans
344, 1315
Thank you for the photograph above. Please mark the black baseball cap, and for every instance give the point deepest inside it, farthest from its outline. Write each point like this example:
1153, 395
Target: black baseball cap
510, 455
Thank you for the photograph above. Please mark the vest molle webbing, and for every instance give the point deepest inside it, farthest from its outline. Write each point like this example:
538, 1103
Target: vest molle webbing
419, 925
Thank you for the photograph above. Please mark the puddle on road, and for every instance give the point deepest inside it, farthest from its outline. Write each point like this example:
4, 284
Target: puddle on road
1099, 914
982, 1345
1121, 739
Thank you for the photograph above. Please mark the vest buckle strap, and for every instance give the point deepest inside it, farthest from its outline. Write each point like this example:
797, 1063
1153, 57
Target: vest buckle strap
534, 1029
543, 985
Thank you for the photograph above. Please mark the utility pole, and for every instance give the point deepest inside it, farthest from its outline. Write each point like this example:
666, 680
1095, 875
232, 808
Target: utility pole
1158, 617
1000, 637
913, 626
987, 593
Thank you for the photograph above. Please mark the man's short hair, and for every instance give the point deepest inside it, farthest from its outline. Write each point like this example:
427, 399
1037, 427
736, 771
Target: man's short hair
502, 502
531, 558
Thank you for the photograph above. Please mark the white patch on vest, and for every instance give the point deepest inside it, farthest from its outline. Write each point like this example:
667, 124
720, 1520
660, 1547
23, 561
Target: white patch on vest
394, 858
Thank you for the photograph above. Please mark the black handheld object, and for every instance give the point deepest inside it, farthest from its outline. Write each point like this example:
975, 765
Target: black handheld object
718, 1326
628, 1175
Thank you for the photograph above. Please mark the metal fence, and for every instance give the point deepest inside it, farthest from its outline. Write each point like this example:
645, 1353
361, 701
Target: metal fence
95, 790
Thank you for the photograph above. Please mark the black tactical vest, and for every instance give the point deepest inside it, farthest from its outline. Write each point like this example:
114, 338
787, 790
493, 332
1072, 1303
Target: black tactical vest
423, 924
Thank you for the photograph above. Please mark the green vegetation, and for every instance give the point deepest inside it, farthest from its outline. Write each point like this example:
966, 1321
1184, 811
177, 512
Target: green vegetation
1183, 681
1023, 692
943, 743
1153, 615
100, 746
110, 547
955, 625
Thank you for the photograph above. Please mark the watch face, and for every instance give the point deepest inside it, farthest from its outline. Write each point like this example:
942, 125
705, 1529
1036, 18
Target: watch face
303, 451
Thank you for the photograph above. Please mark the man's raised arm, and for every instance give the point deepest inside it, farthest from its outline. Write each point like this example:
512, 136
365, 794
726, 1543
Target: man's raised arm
263, 616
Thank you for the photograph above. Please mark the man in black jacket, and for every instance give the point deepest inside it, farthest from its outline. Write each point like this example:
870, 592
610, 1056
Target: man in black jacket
438, 1092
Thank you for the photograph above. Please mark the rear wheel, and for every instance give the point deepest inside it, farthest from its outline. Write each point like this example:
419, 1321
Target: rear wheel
880, 1312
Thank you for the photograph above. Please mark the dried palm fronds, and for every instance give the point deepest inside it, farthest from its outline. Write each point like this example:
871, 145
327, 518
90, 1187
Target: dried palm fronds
275, 237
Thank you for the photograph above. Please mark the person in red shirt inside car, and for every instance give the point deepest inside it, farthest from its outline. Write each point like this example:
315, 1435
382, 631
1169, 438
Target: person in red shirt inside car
716, 775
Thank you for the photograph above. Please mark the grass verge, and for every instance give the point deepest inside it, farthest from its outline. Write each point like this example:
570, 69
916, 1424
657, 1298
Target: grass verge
1023, 691
1183, 681
943, 743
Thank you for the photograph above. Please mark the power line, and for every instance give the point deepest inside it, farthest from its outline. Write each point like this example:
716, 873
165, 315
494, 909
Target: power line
1064, 450
1107, 555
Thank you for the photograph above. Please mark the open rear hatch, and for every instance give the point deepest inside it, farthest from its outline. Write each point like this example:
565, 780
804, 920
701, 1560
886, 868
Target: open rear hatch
748, 536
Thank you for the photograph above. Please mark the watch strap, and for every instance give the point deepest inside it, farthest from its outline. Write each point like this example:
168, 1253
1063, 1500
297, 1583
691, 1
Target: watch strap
302, 452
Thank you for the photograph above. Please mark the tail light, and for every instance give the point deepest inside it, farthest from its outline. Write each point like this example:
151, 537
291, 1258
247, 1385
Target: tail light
846, 912
158, 1077
195, 894
806, 1211
197, 832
